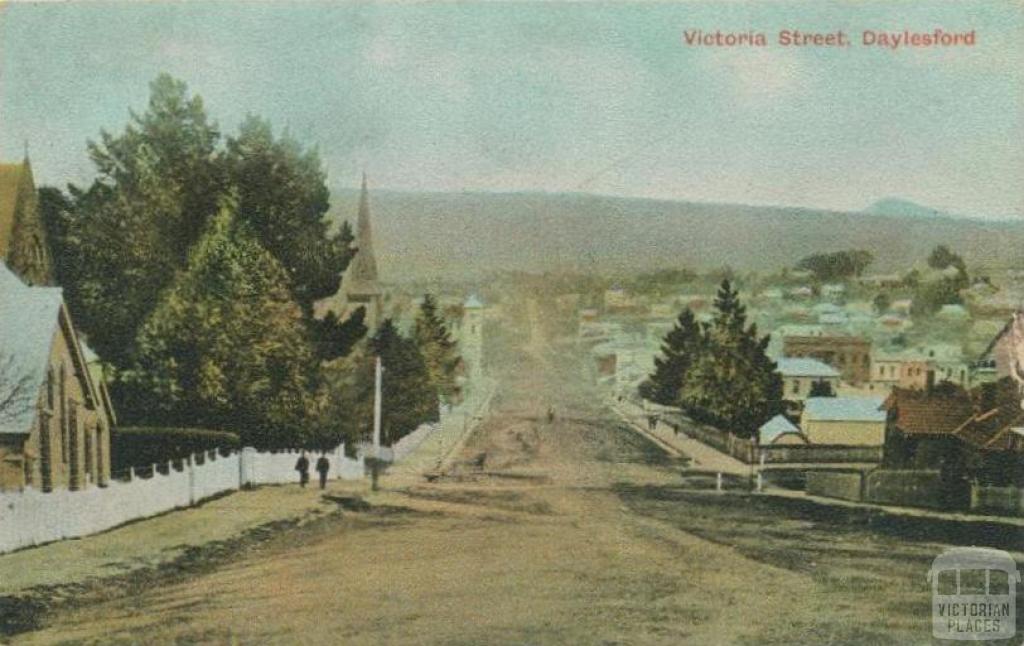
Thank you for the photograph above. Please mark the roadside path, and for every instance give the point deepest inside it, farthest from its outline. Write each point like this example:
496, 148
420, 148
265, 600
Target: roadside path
153, 541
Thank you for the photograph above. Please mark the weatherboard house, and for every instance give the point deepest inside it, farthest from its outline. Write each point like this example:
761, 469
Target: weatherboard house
845, 421
55, 422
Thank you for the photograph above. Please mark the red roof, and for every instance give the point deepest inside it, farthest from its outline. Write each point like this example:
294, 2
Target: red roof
938, 412
993, 430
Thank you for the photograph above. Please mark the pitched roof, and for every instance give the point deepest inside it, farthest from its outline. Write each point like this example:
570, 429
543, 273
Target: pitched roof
845, 409
10, 182
473, 303
938, 412
793, 367
29, 316
775, 427
994, 429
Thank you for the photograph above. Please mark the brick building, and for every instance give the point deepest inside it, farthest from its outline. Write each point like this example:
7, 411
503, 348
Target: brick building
850, 355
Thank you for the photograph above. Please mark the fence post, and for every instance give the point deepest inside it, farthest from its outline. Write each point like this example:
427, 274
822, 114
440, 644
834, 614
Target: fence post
718, 481
246, 467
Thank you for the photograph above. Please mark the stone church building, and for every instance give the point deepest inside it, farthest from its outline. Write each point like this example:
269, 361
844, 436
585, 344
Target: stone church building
55, 418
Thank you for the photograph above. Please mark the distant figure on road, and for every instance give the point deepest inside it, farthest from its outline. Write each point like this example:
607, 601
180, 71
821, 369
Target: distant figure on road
551, 414
302, 466
652, 422
323, 465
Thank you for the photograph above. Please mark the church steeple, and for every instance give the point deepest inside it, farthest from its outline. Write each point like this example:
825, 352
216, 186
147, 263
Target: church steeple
359, 286
364, 265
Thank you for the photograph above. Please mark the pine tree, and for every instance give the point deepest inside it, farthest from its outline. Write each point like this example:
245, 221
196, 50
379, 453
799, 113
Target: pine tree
438, 348
733, 382
679, 350
226, 348
408, 398
335, 338
283, 196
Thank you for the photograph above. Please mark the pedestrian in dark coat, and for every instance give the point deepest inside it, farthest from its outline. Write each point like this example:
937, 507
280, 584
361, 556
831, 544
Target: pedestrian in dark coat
302, 466
323, 465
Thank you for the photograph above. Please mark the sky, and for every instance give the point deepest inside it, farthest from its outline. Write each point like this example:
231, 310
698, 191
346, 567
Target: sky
584, 97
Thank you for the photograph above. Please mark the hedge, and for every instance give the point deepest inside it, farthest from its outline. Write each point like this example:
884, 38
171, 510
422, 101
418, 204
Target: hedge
142, 446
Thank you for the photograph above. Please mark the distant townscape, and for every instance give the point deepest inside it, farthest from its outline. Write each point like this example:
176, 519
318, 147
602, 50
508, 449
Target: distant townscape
831, 376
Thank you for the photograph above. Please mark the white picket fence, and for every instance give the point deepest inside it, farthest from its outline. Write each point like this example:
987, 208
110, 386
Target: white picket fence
32, 517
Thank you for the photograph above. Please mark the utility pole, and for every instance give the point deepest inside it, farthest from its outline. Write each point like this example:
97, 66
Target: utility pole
375, 464
378, 374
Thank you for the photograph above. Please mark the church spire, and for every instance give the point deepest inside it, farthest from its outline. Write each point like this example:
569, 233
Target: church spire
365, 265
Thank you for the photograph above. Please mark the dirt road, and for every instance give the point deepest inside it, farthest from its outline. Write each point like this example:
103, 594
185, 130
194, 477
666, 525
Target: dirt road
571, 532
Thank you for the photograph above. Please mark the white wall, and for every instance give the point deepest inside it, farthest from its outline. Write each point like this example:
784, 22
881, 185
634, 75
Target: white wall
32, 517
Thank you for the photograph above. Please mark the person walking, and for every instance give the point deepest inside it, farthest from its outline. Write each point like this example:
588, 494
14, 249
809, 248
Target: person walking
302, 466
323, 465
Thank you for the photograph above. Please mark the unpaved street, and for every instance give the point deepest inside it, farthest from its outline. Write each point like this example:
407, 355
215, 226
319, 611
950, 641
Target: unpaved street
572, 532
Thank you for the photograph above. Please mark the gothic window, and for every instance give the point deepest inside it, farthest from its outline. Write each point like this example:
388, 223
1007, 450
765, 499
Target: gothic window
63, 416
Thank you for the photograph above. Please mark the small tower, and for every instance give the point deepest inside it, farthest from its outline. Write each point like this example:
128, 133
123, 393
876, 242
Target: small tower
471, 341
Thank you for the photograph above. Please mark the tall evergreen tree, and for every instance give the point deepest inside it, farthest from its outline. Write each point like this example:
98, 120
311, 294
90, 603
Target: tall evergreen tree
438, 348
733, 381
226, 348
680, 348
335, 338
283, 195
408, 398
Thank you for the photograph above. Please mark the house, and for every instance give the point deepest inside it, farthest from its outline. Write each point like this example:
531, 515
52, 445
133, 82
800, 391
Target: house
922, 424
55, 426
779, 430
902, 306
850, 355
886, 368
799, 375
1006, 350
802, 292
953, 313
618, 299
845, 421
834, 291
916, 372
23, 246
881, 280
975, 435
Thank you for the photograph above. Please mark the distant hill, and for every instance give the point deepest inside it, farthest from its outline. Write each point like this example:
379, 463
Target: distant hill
898, 207
458, 235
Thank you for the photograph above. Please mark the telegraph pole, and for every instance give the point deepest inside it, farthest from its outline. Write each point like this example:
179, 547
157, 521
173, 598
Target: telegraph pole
377, 378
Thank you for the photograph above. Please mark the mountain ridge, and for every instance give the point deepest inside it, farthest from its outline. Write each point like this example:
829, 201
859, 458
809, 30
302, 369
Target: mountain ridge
467, 233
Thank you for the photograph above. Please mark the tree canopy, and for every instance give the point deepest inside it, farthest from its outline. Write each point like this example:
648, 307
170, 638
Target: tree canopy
723, 371
836, 265
225, 348
438, 349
